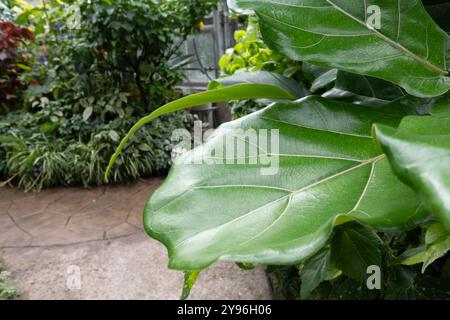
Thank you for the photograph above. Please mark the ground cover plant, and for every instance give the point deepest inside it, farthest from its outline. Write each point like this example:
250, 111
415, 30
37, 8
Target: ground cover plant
359, 204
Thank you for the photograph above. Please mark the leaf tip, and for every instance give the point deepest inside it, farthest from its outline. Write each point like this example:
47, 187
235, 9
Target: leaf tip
190, 277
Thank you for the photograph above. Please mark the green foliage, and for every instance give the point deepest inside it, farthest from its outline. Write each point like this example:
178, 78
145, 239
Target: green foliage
419, 151
337, 34
354, 249
287, 214
319, 278
9, 9
134, 41
297, 90
243, 91
316, 270
7, 291
435, 245
250, 54
95, 69
189, 280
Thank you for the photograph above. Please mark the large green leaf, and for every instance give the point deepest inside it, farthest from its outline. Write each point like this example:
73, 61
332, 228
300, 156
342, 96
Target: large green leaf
235, 92
312, 72
409, 49
330, 171
419, 152
409, 106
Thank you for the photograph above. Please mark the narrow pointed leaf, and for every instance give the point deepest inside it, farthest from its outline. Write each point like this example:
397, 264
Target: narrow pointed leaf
327, 170
237, 92
407, 47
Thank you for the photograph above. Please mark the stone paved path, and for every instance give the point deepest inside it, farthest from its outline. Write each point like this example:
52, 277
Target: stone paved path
48, 239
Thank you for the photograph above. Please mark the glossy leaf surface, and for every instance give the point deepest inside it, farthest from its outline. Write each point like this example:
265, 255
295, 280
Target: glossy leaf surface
297, 90
396, 40
327, 170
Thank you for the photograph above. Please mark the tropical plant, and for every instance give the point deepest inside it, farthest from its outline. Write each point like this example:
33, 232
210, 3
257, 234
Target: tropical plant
362, 170
80, 90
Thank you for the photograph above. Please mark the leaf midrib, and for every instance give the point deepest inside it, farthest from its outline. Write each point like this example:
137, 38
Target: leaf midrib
393, 43
291, 194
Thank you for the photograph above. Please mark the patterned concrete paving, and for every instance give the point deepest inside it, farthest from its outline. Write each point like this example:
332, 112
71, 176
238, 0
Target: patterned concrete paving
43, 235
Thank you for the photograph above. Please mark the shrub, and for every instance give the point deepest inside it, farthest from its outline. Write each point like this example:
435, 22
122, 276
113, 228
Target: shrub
359, 196
7, 292
11, 61
6, 10
95, 68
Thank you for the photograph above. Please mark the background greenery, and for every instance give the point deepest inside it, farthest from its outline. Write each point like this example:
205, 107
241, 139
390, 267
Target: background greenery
92, 70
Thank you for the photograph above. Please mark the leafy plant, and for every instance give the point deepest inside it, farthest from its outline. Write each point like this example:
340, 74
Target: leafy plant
135, 41
7, 291
356, 179
11, 61
397, 54
9, 9
81, 91
251, 55
320, 278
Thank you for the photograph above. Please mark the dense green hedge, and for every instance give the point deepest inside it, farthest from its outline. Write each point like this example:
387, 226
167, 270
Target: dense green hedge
93, 69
